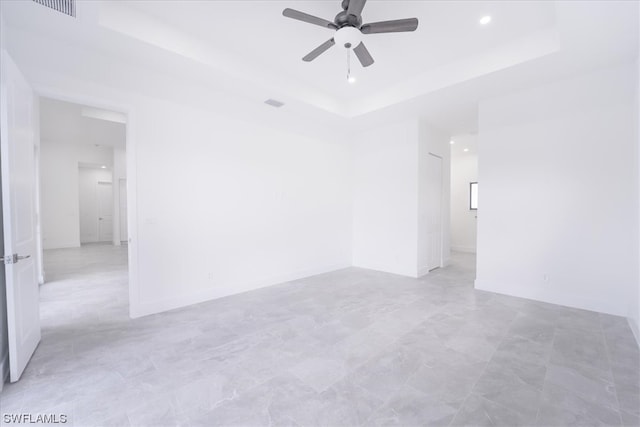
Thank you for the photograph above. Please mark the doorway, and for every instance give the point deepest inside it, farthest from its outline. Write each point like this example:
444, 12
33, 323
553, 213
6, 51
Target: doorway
82, 172
464, 184
42, 149
105, 212
96, 205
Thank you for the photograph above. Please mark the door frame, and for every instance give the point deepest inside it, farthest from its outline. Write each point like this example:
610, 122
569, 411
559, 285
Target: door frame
442, 201
126, 224
38, 206
132, 205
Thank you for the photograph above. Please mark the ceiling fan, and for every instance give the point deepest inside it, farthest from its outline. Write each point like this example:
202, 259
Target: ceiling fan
349, 29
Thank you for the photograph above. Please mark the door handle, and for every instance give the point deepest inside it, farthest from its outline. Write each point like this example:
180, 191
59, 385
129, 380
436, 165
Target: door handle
12, 259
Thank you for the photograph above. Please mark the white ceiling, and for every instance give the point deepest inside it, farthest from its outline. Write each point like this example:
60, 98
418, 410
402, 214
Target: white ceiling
440, 72
256, 32
64, 122
464, 145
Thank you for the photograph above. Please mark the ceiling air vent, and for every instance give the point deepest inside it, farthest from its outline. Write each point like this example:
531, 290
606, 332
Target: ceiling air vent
68, 7
274, 103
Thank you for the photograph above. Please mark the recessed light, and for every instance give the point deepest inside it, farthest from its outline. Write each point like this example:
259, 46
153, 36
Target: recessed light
452, 142
103, 167
351, 79
485, 20
465, 150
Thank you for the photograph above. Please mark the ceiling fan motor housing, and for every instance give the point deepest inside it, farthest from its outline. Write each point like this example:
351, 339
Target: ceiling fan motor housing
345, 19
348, 37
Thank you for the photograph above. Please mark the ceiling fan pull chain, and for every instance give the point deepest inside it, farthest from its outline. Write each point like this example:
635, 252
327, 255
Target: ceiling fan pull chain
348, 64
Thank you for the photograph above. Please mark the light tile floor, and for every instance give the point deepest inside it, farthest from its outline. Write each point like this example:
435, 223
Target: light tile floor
351, 347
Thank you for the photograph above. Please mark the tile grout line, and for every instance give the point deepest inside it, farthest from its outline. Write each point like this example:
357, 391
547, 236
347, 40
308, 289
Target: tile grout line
613, 379
483, 371
546, 372
276, 333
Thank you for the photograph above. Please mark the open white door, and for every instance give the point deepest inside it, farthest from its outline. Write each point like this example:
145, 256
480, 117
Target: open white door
17, 152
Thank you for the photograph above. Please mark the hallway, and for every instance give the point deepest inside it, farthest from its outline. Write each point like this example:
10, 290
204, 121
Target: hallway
85, 288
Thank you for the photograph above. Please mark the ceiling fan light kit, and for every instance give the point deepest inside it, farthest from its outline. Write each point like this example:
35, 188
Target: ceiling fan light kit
348, 37
349, 31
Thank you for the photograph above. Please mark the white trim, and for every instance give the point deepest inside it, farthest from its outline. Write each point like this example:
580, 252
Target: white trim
465, 249
130, 148
38, 190
53, 244
446, 261
386, 269
634, 315
171, 303
4, 369
539, 293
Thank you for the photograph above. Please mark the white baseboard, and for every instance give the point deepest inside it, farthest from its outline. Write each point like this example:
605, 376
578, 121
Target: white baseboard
466, 249
425, 270
541, 293
422, 271
60, 245
166, 304
4, 369
388, 269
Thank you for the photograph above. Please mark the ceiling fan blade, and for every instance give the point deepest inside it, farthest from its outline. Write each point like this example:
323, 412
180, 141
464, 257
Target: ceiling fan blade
319, 50
397, 26
305, 17
363, 55
355, 7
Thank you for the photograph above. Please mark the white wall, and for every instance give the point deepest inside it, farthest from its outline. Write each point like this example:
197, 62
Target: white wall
390, 163
249, 206
385, 205
59, 189
88, 180
59, 196
464, 170
558, 170
219, 205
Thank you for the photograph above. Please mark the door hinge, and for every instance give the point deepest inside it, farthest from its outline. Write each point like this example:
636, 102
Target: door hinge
12, 259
